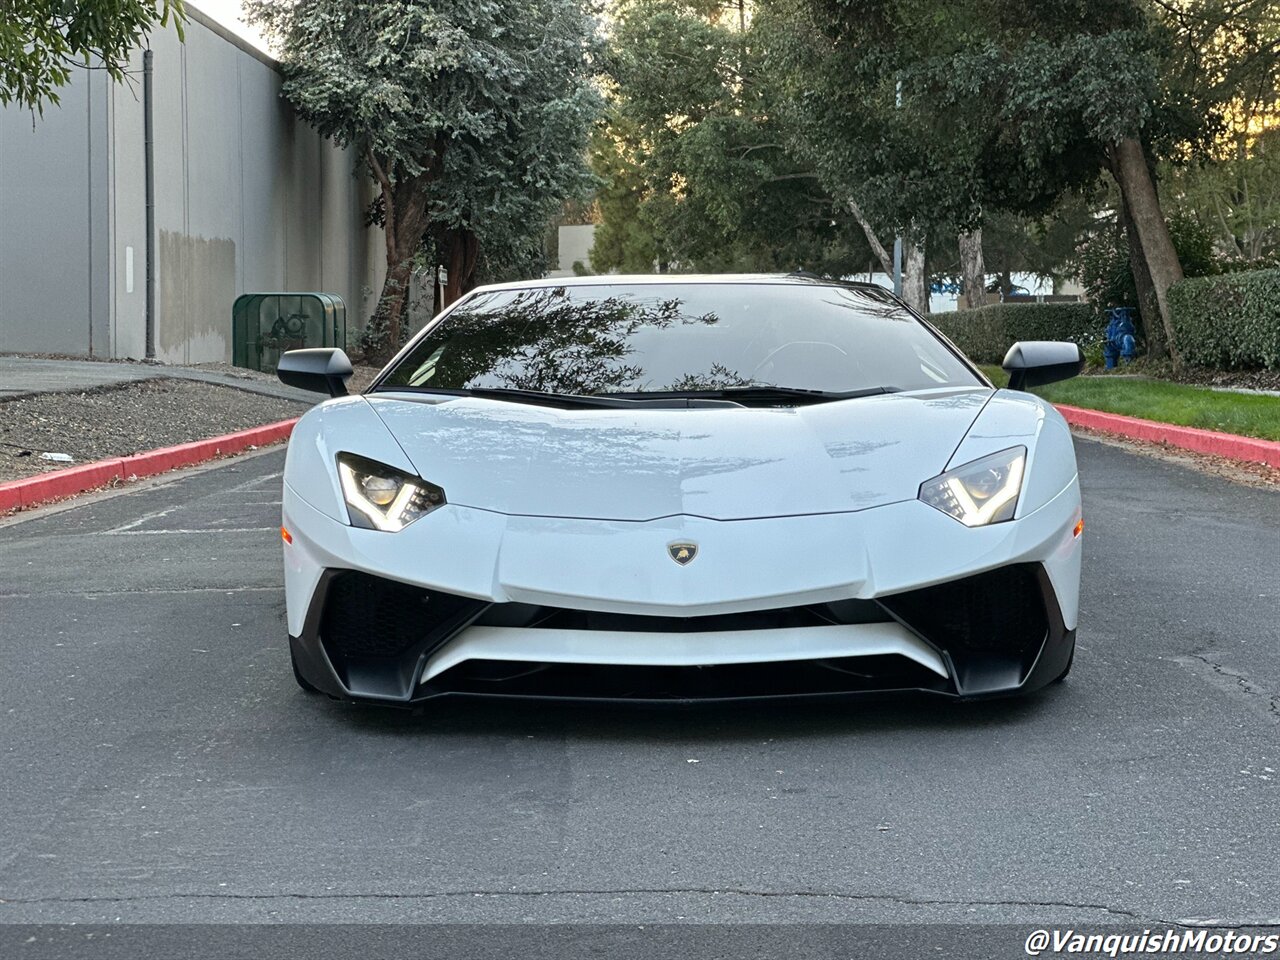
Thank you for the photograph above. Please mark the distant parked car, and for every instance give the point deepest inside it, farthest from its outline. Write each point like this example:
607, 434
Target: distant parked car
680, 488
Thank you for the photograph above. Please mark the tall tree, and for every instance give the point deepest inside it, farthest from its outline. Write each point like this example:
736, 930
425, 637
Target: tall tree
695, 170
467, 113
865, 85
43, 41
1236, 195
1007, 103
973, 287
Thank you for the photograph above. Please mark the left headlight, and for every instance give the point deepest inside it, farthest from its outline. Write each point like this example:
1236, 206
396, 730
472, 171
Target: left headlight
384, 498
980, 492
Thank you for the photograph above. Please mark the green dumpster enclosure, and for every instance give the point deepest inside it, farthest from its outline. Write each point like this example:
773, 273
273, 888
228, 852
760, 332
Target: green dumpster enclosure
265, 325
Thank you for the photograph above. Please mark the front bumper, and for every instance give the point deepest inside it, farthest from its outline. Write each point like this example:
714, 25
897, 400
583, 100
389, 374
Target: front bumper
467, 601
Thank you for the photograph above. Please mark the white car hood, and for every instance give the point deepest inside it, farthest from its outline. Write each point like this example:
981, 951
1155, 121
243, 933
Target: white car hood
731, 463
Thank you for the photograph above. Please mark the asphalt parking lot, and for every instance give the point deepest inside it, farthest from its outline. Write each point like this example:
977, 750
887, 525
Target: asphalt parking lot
158, 763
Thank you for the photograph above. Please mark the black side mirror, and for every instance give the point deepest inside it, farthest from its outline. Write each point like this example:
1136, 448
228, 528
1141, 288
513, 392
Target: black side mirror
320, 369
1037, 362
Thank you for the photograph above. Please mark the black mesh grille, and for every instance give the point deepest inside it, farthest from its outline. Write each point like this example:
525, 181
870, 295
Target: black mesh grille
368, 618
998, 612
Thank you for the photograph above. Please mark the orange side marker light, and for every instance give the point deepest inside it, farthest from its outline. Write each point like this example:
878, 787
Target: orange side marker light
287, 537
1075, 533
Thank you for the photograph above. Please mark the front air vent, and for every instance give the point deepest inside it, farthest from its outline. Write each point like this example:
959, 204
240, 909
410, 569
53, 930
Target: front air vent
375, 630
1001, 612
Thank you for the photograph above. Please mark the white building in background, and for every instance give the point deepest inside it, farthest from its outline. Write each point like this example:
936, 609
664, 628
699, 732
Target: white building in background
247, 198
575, 247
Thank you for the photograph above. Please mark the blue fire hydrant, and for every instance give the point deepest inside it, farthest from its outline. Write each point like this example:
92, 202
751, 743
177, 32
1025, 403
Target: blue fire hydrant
1120, 343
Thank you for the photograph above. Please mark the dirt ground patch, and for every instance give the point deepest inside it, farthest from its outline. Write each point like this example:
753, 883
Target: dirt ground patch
120, 420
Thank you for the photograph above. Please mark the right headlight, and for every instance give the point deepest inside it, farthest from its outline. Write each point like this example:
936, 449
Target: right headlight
380, 497
981, 491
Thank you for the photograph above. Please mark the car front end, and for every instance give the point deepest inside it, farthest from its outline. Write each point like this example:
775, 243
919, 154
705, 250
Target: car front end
928, 540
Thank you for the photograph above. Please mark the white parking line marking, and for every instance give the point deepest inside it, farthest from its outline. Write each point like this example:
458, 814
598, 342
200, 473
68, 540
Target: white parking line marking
156, 515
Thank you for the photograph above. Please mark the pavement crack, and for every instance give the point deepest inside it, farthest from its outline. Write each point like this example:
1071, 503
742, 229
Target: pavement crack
1244, 683
585, 892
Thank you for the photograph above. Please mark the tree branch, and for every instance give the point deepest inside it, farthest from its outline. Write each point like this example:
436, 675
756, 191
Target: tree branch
378, 172
876, 246
759, 146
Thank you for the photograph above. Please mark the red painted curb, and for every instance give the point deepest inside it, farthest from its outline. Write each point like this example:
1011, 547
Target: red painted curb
152, 462
1214, 442
57, 483
89, 476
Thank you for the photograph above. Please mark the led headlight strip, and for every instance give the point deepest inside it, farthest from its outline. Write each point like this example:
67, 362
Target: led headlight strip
380, 497
981, 492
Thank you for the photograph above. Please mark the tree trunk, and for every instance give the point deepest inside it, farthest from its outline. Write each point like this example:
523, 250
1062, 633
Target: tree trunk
972, 270
1148, 309
462, 250
405, 222
389, 315
405, 227
915, 283
886, 262
1129, 166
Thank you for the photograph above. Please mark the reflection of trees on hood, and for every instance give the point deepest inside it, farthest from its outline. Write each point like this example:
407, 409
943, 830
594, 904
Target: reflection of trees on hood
719, 377
588, 450
542, 340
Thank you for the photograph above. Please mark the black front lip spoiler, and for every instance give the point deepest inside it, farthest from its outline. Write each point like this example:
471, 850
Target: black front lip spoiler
974, 679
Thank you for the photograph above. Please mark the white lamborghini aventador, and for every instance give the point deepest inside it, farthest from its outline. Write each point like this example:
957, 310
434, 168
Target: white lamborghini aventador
680, 488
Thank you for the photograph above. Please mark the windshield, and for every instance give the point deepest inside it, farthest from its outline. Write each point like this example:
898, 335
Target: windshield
682, 338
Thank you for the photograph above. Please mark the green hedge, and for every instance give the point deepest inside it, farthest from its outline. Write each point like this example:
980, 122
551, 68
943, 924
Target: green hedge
987, 333
1231, 320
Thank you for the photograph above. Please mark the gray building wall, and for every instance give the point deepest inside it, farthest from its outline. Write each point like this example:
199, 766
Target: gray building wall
247, 198
53, 223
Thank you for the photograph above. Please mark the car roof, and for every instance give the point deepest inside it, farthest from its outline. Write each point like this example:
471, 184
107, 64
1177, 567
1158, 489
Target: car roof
644, 279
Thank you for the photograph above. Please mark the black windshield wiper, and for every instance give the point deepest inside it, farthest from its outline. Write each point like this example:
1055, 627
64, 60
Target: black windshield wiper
765, 393
607, 400
663, 399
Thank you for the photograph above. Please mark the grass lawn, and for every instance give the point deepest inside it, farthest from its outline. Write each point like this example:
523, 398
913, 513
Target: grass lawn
1248, 414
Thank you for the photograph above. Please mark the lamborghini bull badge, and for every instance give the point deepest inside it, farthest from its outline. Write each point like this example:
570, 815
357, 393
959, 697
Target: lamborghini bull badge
682, 553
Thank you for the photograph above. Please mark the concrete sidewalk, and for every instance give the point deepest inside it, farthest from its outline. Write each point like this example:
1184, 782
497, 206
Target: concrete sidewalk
24, 376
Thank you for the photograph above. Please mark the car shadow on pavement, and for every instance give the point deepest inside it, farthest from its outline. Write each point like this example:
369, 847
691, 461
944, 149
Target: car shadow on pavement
744, 720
